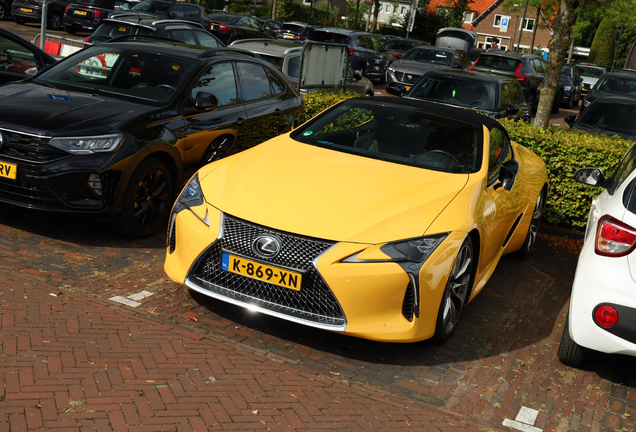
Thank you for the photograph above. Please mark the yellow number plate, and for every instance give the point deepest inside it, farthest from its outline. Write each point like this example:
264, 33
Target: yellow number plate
8, 170
288, 36
273, 275
26, 10
79, 12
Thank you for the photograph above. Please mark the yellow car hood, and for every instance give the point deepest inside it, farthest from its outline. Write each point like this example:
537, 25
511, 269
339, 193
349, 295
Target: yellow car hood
311, 191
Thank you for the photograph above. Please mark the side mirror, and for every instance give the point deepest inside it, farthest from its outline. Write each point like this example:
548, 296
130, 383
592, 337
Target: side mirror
204, 101
399, 56
590, 176
400, 90
512, 109
357, 74
508, 174
570, 119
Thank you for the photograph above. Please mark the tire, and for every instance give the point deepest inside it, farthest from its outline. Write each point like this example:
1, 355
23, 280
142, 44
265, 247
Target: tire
533, 229
18, 20
531, 99
570, 353
557, 102
456, 292
70, 30
55, 21
3, 11
147, 200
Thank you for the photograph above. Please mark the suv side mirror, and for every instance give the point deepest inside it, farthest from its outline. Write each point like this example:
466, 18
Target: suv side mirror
570, 119
358, 75
590, 176
204, 101
512, 109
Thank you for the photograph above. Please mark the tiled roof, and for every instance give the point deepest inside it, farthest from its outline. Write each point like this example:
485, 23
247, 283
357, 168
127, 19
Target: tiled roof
477, 6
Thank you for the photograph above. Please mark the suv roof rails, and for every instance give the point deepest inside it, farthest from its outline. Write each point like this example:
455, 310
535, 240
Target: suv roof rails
127, 38
228, 50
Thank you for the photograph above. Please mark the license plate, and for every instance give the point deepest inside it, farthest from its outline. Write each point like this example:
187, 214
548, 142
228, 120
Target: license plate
79, 12
26, 10
288, 36
8, 170
255, 270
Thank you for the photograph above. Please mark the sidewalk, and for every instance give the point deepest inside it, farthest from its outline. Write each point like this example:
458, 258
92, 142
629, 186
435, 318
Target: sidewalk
79, 363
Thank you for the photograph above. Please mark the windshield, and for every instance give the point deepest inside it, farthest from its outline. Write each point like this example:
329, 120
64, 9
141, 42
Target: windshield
370, 130
430, 56
616, 84
158, 7
456, 91
110, 30
567, 73
611, 116
323, 36
292, 27
497, 62
147, 78
104, 4
222, 17
400, 45
593, 72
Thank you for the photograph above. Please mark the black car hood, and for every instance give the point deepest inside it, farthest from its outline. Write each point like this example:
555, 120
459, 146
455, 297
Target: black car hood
34, 108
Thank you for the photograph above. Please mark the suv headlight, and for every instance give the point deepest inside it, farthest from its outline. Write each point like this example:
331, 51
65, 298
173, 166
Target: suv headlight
88, 145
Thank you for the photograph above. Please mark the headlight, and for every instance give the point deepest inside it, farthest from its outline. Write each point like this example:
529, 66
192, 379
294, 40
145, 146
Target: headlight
415, 250
88, 145
192, 199
567, 88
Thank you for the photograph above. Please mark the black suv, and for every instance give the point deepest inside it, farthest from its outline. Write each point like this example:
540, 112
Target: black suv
229, 27
366, 54
174, 10
31, 10
619, 83
187, 32
290, 30
528, 69
116, 129
88, 14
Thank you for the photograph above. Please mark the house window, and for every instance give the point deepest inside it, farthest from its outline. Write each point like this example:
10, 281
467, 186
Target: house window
497, 22
529, 25
403, 10
387, 9
468, 17
395, 8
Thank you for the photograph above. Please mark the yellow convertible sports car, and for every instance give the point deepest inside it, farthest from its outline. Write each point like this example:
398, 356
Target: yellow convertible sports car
379, 218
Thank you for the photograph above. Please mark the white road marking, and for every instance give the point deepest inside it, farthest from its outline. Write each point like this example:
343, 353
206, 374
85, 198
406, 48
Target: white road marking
524, 421
140, 295
124, 300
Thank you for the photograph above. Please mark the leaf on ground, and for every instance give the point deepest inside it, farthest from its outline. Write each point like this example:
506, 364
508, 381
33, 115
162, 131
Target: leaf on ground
255, 412
334, 373
193, 319
293, 395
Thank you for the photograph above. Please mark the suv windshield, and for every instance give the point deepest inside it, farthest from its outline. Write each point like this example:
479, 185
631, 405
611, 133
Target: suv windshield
502, 63
292, 27
567, 73
430, 56
323, 36
147, 78
369, 130
456, 91
593, 72
150, 6
617, 84
611, 116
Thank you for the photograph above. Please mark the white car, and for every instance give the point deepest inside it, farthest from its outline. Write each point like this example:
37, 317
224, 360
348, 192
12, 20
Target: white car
602, 315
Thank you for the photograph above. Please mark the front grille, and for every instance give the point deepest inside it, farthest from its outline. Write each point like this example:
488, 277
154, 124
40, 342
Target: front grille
30, 195
29, 148
407, 77
313, 303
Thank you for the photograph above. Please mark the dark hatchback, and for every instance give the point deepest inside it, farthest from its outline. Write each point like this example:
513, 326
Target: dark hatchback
187, 32
31, 10
528, 69
19, 58
495, 96
609, 115
173, 10
116, 129
88, 14
621, 83
229, 27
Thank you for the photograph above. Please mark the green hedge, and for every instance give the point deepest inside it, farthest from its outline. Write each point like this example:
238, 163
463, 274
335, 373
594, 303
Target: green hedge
564, 151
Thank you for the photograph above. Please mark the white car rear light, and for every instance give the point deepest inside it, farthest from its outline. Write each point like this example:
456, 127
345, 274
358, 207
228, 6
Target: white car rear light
614, 238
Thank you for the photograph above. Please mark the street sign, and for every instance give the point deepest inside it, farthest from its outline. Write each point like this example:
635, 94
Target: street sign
505, 21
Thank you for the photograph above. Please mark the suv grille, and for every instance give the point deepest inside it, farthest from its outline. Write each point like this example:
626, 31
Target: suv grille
314, 303
407, 77
29, 148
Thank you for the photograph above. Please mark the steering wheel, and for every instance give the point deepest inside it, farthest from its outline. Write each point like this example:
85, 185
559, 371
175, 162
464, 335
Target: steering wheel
447, 154
167, 86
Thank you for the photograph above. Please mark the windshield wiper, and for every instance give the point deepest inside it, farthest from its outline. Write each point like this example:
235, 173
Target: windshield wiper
45, 84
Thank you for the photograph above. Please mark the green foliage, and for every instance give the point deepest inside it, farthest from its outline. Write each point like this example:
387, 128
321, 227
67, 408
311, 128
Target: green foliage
428, 22
392, 31
602, 49
564, 151
318, 101
285, 10
238, 8
263, 11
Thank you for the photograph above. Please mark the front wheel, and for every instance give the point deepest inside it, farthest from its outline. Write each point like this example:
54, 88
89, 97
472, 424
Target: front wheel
557, 102
533, 229
3, 11
458, 286
55, 21
570, 353
147, 200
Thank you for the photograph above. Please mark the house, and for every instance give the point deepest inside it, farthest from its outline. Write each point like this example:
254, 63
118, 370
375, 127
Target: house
488, 20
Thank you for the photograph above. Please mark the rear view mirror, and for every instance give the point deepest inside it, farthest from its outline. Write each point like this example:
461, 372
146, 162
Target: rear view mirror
205, 100
590, 176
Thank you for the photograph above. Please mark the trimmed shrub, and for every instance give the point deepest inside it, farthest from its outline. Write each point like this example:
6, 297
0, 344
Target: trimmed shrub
564, 151
603, 45
318, 101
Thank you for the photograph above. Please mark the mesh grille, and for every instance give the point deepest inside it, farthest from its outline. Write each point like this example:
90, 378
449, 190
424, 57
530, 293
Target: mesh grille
29, 148
314, 302
36, 196
404, 77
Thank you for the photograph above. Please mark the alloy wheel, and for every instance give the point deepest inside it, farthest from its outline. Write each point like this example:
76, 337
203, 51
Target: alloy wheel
533, 230
457, 288
152, 200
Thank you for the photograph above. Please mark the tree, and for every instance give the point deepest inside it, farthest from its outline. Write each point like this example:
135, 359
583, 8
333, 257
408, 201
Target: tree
603, 45
548, 7
559, 45
285, 10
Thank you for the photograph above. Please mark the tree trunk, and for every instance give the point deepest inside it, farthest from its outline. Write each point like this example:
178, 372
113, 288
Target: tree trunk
274, 4
369, 17
534, 29
375, 15
571, 52
355, 18
558, 48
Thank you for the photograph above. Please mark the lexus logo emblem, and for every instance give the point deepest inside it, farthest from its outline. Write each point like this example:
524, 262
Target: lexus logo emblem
266, 246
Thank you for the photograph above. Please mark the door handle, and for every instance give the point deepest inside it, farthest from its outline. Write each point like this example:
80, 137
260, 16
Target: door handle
239, 121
